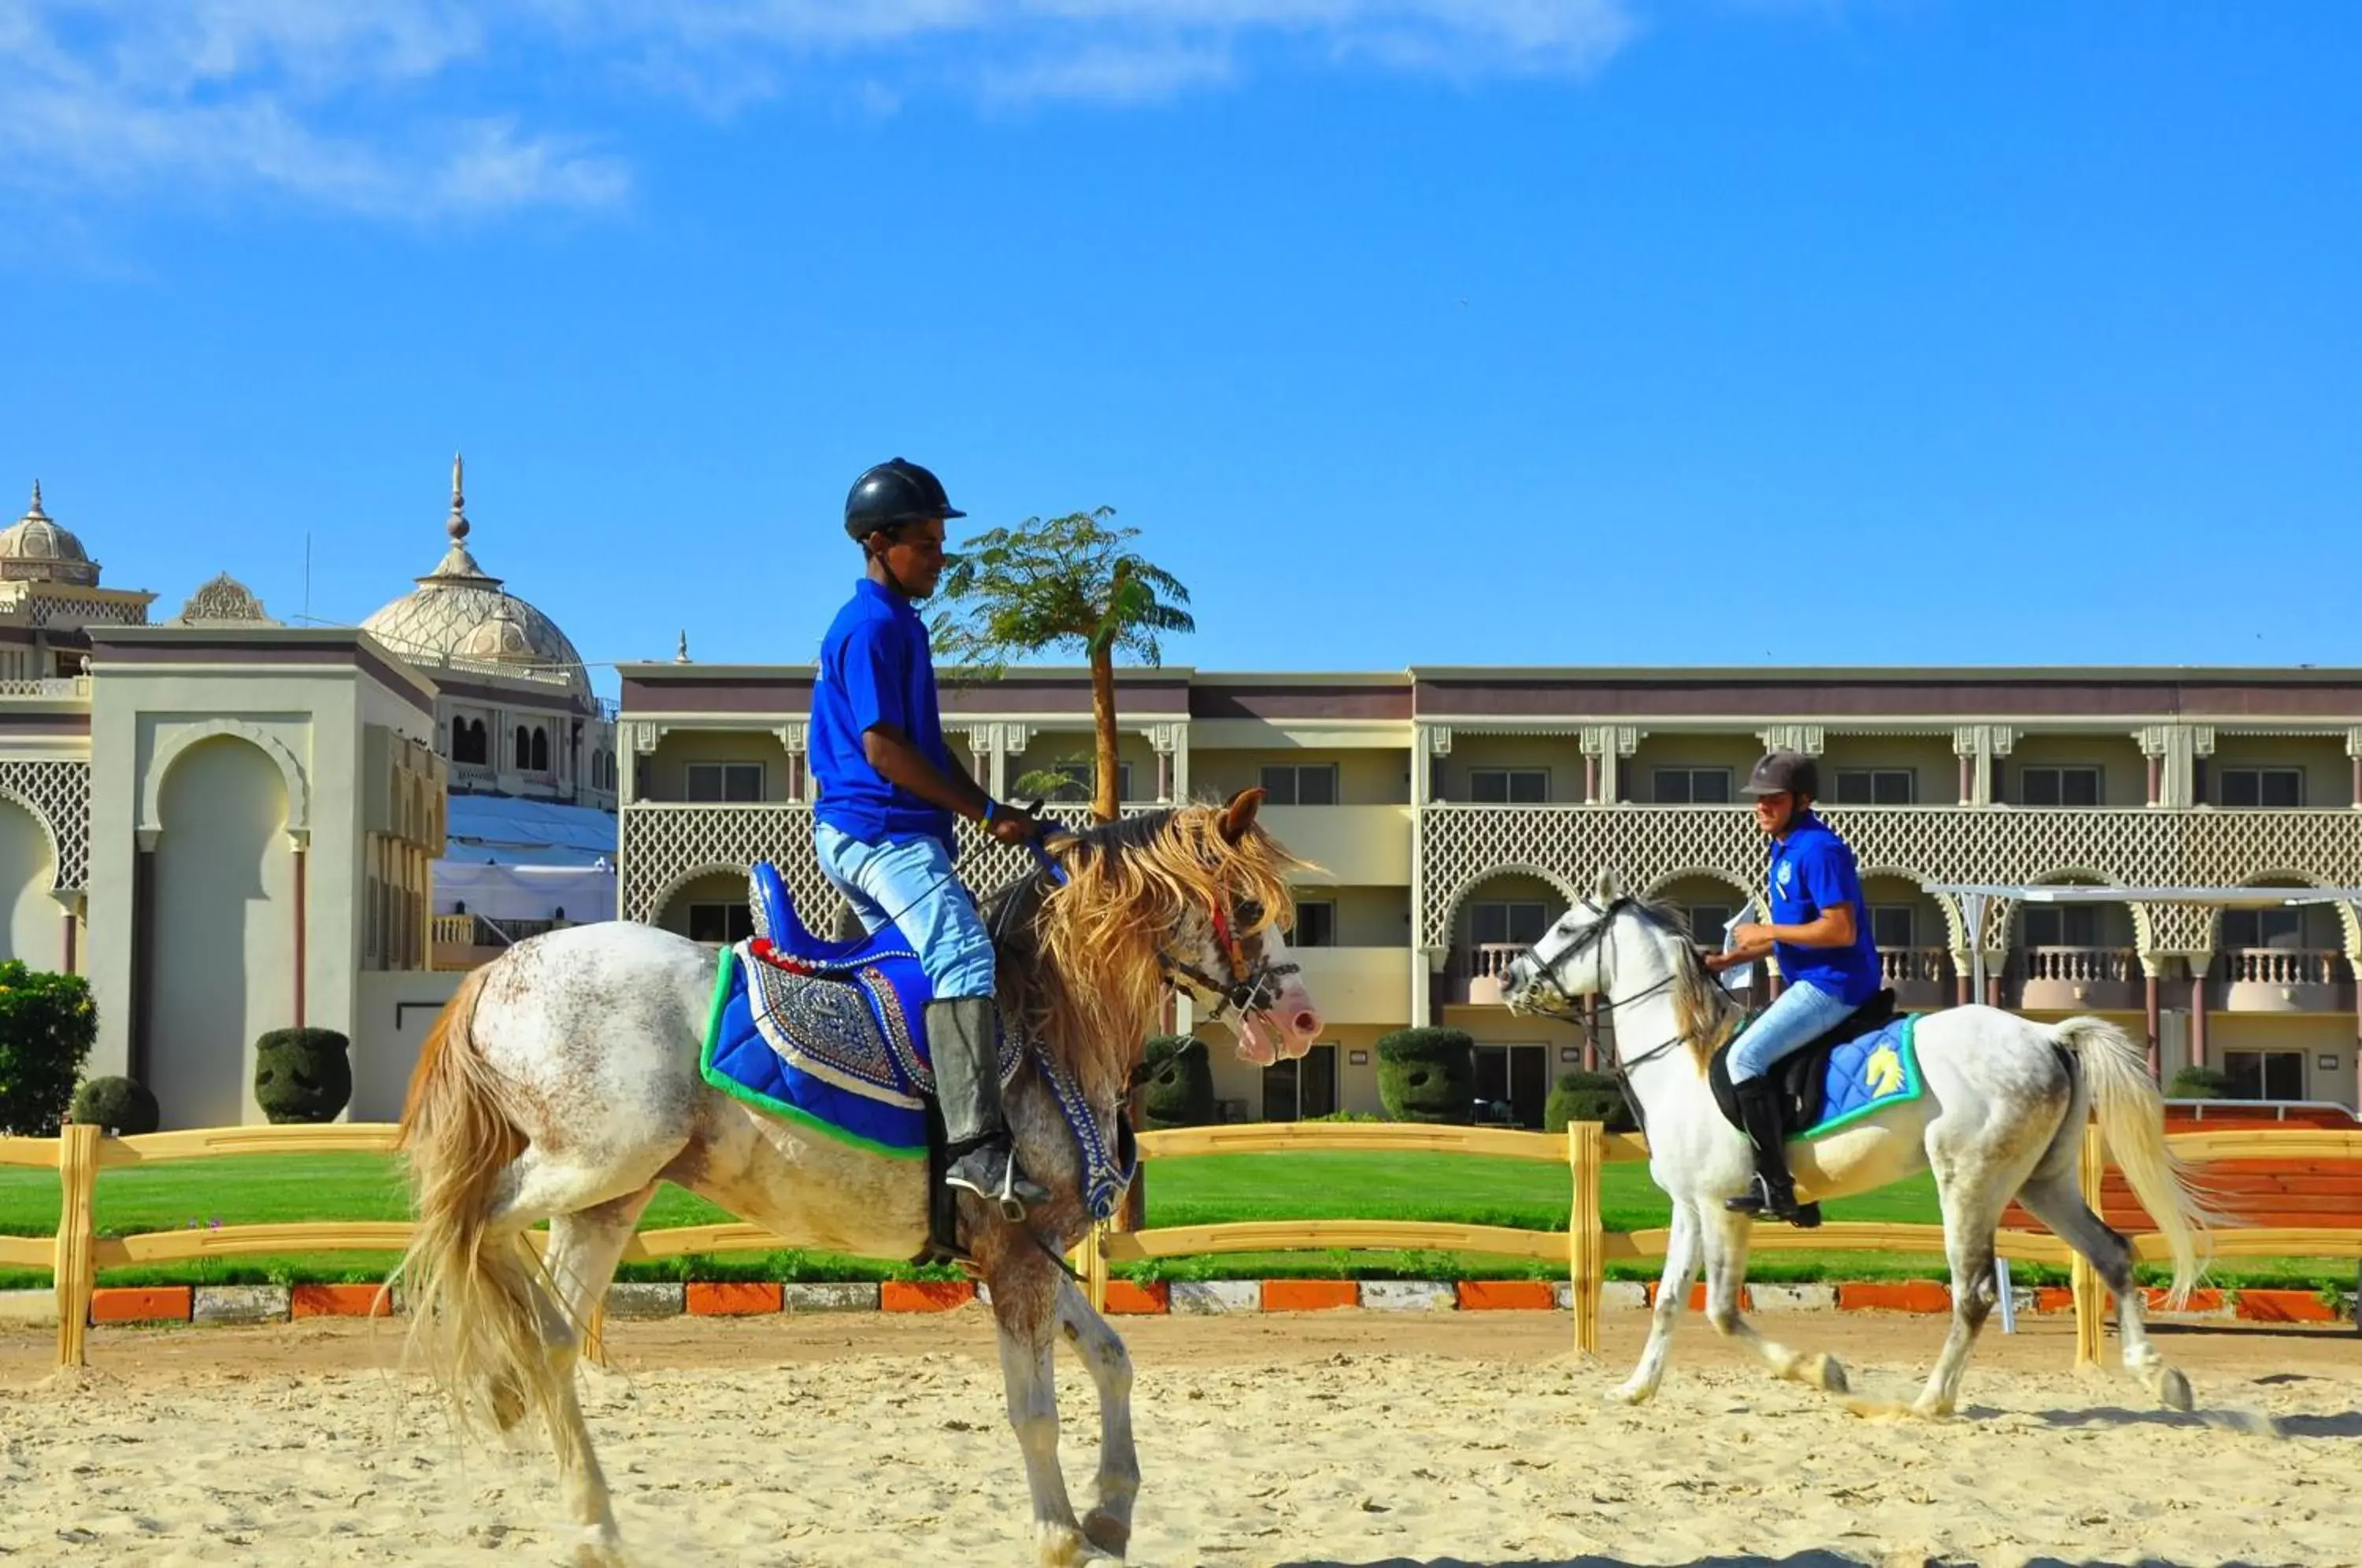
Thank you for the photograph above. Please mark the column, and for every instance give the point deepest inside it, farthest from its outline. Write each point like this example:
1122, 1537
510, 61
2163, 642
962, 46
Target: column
1605, 747
299, 844
1591, 786
1980, 748
983, 760
1967, 777
143, 951
2354, 750
2199, 964
1591, 1035
1165, 740
792, 739
2152, 1012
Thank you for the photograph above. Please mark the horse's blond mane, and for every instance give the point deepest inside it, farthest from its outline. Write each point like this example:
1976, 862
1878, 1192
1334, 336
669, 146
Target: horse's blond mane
1079, 961
1702, 1011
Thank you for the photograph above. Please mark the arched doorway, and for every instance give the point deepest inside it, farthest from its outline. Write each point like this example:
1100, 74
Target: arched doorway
31, 922
224, 923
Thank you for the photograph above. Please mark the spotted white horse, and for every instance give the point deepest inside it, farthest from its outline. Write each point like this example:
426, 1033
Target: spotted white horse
562, 1083
2002, 1115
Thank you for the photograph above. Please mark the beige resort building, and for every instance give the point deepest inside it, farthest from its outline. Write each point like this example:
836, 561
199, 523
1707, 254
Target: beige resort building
1454, 813
229, 824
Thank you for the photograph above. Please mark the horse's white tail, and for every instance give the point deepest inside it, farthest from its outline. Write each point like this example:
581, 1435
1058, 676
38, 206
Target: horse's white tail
474, 1294
2131, 1121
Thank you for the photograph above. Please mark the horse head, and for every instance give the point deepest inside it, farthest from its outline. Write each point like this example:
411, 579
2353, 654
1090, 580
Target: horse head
1574, 958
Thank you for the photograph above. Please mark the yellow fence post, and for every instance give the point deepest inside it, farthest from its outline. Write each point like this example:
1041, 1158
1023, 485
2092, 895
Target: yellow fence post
72, 1272
1587, 1241
2091, 1300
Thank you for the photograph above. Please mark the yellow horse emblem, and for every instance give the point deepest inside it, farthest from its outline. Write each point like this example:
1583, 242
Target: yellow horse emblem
1884, 1071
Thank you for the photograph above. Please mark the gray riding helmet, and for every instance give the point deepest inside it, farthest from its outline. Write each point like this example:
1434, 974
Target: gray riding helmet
1784, 773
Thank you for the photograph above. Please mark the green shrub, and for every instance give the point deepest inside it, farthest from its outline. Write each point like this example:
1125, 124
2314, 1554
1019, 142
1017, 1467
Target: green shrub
2199, 1083
1179, 1091
1586, 1097
119, 1106
1428, 1074
301, 1075
48, 1023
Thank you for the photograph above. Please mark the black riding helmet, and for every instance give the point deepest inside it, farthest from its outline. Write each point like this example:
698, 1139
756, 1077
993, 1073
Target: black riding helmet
1785, 773
894, 493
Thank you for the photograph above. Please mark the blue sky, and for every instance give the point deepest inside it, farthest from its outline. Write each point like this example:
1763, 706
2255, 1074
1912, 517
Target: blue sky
1410, 331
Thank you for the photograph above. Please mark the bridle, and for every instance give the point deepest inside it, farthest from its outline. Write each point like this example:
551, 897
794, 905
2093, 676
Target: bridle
1251, 988
1602, 929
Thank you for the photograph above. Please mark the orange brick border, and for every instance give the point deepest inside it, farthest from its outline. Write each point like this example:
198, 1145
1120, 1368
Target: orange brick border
1507, 1296
1123, 1295
731, 1299
1896, 1295
1309, 1295
924, 1295
2153, 1298
2285, 1307
339, 1301
142, 1303
1697, 1296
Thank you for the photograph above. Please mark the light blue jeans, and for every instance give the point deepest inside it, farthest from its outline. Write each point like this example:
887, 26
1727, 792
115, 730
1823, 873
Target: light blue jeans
1800, 1015
911, 885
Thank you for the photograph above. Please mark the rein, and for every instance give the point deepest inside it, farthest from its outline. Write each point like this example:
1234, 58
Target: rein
1602, 928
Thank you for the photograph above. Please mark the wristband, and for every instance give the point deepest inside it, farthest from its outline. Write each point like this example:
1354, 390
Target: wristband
990, 807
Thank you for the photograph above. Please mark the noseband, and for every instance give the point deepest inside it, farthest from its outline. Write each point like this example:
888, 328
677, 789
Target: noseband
1251, 988
1602, 928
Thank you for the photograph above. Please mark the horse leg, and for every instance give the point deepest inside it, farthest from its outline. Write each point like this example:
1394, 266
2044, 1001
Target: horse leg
1025, 1308
1109, 1524
1971, 1205
583, 1250
2055, 1201
1727, 1239
1681, 1264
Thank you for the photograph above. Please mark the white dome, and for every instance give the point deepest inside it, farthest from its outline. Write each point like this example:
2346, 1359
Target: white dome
35, 549
459, 616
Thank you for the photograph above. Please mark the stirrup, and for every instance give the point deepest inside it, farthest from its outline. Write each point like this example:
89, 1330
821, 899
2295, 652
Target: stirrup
1007, 1198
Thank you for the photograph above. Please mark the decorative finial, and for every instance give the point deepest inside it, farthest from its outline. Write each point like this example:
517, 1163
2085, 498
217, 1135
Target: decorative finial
458, 525
35, 511
681, 656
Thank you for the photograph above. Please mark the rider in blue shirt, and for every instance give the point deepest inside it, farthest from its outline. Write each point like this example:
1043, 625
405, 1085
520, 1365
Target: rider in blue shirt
888, 790
1820, 932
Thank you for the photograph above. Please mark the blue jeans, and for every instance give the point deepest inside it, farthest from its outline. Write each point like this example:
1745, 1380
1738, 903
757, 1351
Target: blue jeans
1802, 1014
911, 885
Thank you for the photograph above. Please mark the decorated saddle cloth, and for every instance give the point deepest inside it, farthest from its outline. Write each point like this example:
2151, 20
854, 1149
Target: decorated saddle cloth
1865, 1064
829, 1034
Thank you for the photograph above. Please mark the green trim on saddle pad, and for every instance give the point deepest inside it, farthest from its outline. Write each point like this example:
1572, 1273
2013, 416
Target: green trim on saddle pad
1909, 1085
722, 975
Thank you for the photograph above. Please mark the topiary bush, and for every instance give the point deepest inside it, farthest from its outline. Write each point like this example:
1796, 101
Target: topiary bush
48, 1023
301, 1075
2199, 1083
1179, 1091
1586, 1097
1428, 1074
119, 1106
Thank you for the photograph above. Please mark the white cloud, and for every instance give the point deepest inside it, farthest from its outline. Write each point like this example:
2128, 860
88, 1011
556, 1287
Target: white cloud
432, 108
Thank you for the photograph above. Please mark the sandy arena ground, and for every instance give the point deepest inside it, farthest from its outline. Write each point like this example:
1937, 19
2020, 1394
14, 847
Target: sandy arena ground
1339, 1438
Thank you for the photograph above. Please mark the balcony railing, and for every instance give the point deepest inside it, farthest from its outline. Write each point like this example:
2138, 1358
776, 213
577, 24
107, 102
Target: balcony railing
1478, 973
1920, 976
464, 941
2062, 979
64, 686
2284, 979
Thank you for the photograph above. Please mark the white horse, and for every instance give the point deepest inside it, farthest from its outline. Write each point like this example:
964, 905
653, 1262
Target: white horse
2002, 1115
562, 1083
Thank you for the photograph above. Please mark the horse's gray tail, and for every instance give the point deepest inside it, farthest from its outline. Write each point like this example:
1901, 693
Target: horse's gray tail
2131, 1121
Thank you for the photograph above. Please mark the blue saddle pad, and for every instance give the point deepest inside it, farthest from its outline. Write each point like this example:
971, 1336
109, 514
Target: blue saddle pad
1869, 1074
839, 1042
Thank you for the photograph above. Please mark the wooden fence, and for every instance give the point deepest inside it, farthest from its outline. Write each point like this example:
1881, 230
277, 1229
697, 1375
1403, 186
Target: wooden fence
77, 1252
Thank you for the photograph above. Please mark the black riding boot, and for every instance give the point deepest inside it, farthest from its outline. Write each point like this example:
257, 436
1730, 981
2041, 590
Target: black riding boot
961, 1036
1773, 1193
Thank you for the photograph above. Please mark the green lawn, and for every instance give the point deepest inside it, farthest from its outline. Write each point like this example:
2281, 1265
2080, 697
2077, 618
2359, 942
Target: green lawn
1212, 1189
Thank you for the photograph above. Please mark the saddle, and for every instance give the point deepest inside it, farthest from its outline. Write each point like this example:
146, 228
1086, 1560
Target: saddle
1802, 1075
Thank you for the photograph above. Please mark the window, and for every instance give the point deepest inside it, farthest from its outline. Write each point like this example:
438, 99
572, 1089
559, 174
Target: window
1707, 923
2262, 786
1300, 783
1305, 1087
524, 752
1495, 924
1691, 786
468, 742
720, 923
1876, 787
2058, 786
724, 780
1508, 786
2062, 925
538, 753
1512, 1084
1077, 777
2265, 1075
1892, 926
2263, 928
1316, 924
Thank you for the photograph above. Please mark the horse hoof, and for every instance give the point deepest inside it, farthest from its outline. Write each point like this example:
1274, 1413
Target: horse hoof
1111, 1535
601, 1548
2173, 1391
1828, 1375
1061, 1546
1630, 1394
1928, 1410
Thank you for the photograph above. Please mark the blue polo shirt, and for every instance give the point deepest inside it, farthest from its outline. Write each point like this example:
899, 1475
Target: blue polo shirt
875, 669
1813, 872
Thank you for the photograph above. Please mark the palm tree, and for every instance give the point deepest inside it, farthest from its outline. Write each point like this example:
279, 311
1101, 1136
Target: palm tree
1070, 581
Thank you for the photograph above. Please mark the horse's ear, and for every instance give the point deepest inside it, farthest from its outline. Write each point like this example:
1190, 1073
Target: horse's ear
1240, 814
1609, 887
